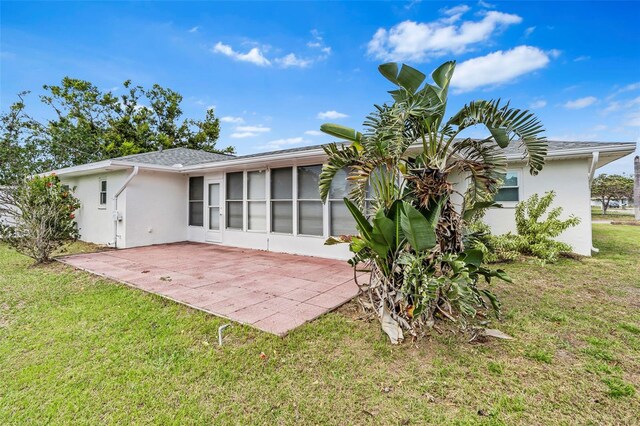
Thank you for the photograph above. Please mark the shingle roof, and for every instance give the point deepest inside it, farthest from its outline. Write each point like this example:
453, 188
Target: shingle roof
559, 146
513, 148
172, 156
189, 157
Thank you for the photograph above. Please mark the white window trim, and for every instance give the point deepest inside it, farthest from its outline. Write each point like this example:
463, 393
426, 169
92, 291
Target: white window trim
243, 201
264, 200
102, 206
512, 204
283, 200
324, 206
189, 201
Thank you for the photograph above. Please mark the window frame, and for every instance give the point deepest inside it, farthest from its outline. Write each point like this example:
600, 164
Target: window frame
323, 206
282, 200
511, 203
193, 201
247, 201
242, 201
102, 205
331, 200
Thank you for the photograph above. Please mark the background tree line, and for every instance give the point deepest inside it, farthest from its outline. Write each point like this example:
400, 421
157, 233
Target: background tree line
87, 124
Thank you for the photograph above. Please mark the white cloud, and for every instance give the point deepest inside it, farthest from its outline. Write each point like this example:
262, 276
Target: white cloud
418, 41
331, 115
280, 143
253, 56
230, 119
486, 5
194, 29
538, 104
599, 128
242, 135
582, 58
554, 53
455, 10
253, 129
498, 67
529, 31
291, 60
313, 133
581, 102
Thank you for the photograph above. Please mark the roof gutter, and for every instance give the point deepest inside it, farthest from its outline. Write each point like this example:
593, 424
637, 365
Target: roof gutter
594, 165
117, 217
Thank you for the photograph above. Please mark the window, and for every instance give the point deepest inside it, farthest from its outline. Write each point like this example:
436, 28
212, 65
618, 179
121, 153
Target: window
103, 193
510, 190
309, 204
341, 221
235, 210
257, 200
282, 200
196, 200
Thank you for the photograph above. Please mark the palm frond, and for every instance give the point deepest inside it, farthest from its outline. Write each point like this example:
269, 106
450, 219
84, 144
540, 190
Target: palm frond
338, 157
486, 165
506, 124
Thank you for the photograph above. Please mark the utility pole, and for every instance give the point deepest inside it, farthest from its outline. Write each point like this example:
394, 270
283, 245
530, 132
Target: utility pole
636, 186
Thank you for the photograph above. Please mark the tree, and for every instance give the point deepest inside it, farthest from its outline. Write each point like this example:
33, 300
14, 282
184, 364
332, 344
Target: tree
39, 217
405, 160
18, 143
91, 125
611, 187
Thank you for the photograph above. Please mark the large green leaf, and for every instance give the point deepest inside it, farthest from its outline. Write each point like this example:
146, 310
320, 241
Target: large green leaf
500, 135
395, 214
417, 229
342, 132
362, 223
408, 77
384, 231
442, 75
473, 257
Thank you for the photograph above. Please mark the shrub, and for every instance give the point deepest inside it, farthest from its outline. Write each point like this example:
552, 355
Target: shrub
536, 230
40, 216
537, 235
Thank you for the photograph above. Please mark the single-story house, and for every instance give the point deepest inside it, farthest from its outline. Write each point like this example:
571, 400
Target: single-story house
270, 200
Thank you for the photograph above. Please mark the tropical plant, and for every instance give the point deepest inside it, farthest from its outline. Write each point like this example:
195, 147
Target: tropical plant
537, 227
536, 230
402, 170
39, 216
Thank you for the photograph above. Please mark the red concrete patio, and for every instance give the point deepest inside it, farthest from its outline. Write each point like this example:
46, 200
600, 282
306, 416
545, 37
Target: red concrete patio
273, 292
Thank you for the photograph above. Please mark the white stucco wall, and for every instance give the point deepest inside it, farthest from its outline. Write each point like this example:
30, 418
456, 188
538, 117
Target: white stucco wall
570, 180
96, 221
155, 210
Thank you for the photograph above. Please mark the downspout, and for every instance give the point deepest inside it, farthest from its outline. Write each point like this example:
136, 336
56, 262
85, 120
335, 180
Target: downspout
592, 172
116, 215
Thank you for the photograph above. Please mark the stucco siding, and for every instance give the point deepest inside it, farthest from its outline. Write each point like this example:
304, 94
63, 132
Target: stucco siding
570, 180
96, 221
156, 209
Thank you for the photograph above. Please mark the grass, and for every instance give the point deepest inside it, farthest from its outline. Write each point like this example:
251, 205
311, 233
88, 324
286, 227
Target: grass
617, 215
79, 349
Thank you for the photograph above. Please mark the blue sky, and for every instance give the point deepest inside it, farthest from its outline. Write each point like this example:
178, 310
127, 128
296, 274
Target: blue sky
275, 71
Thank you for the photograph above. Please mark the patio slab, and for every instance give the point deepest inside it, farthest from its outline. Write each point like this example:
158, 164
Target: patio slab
274, 292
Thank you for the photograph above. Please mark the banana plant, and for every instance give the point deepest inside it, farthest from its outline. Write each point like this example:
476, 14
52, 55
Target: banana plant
403, 166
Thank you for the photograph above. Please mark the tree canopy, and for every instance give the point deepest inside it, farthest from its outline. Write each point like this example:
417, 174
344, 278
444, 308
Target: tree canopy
87, 124
611, 187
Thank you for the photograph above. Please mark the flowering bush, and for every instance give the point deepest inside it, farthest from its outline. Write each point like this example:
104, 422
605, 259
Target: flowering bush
40, 216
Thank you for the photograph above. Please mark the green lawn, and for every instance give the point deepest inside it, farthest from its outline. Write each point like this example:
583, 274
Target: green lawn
79, 349
617, 215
